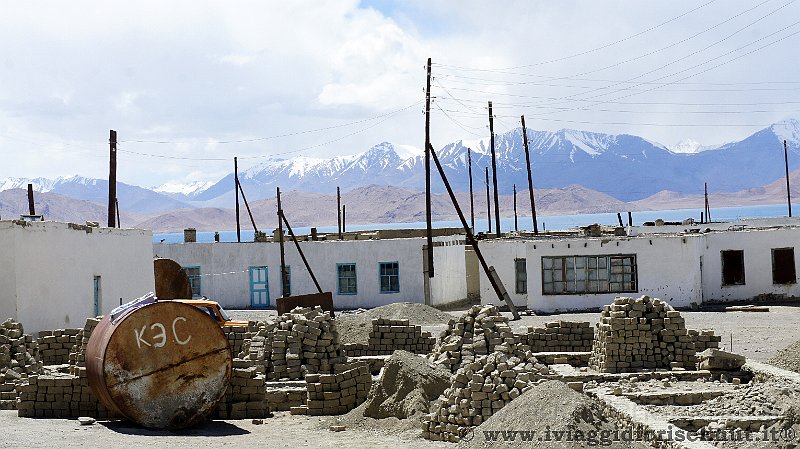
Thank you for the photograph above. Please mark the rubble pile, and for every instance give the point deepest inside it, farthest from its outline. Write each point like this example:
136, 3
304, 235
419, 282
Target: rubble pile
474, 334
641, 333
388, 335
55, 346
704, 339
479, 389
335, 394
560, 336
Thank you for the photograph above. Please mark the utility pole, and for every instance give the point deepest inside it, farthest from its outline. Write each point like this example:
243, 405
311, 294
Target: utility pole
516, 224
31, 206
788, 192
236, 187
112, 179
339, 210
428, 213
471, 199
494, 174
488, 202
284, 280
708, 209
344, 217
530, 178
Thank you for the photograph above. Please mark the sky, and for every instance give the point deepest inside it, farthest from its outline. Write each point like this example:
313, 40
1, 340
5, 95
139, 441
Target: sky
188, 85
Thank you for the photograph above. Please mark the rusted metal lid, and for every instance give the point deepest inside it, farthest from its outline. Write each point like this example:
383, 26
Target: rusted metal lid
170, 279
165, 365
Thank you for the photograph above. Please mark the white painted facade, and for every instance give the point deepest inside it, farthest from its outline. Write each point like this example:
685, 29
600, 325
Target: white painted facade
683, 269
225, 269
48, 270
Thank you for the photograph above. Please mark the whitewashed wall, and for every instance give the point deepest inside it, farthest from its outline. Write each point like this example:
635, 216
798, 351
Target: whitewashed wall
501, 255
55, 266
757, 246
224, 269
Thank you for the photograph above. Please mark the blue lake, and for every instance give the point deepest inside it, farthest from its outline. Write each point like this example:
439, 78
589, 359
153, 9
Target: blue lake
545, 222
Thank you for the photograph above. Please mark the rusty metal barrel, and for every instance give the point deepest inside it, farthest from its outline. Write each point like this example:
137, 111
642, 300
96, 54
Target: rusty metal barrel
164, 365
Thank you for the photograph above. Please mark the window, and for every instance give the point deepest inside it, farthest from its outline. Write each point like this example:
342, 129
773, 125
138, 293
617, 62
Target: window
193, 273
288, 279
783, 271
346, 272
521, 276
389, 277
588, 274
732, 267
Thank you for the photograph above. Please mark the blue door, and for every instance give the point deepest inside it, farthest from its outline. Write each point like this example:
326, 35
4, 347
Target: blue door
259, 287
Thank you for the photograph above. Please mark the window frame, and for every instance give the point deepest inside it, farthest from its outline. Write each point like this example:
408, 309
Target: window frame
594, 273
339, 278
194, 277
521, 279
381, 276
794, 267
722, 268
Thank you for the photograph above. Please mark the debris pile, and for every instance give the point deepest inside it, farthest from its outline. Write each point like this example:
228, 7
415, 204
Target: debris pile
335, 394
560, 336
474, 334
406, 388
55, 346
480, 389
388, 335
641, 333
715, 359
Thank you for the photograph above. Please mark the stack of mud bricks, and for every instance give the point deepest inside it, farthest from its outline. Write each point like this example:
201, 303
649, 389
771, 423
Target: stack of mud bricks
237, 336
480, 389
55, 346
560, 336
390, 335
475, 333
246, 394
643, 333
58, 396
335, 394
283, 397
304, 341
77, 357
704, 339
18, 361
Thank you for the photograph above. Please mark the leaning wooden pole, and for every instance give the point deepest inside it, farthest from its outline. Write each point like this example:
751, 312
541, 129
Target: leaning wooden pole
300, 250
516, 223
249, 212
498, 288
31, 205
339, 210
530, 178
428, 209
488, 202
471, 198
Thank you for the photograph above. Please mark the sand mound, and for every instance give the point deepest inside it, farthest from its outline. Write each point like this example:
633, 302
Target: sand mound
408, 385
550, 406
355, 327
788, 358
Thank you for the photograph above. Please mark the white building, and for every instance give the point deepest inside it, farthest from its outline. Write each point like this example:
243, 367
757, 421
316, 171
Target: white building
726, 263
55, 275
359, 273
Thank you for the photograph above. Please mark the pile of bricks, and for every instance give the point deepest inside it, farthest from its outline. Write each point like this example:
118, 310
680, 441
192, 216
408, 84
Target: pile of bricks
641, 333
475, 333
388, 335
560, 336
18, 352
77, 356
704, 339
481, 388
55, 346
335, 394
304, 341
58, 396
238, 335
246, 394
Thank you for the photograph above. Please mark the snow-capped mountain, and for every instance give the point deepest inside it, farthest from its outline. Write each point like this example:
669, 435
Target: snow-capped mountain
183, 190
691, 146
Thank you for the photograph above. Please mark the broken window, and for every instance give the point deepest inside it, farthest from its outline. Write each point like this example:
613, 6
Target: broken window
783, 271
732, 267
589, 274
521, 276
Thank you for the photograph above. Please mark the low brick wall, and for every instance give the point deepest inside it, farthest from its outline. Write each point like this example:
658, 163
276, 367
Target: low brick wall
62, 396
388, 336
335, 394
56, 345
560, 336
704, 339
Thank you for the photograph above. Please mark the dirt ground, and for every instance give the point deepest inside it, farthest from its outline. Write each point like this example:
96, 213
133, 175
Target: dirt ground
756, 335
